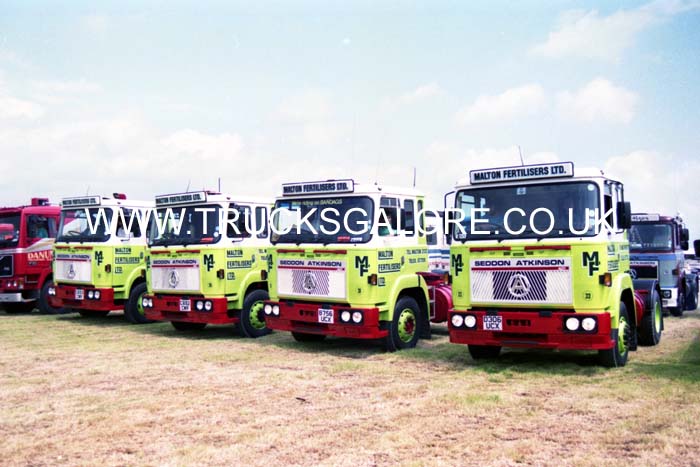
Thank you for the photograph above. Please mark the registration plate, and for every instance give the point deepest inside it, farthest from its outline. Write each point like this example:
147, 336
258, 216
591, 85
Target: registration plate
325, 316
493, 323
185, 304
79, 294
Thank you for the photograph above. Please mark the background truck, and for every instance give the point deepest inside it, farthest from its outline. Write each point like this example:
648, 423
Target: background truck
542, 281
26, 240
361, 280
208, 265
100, 256
657, 245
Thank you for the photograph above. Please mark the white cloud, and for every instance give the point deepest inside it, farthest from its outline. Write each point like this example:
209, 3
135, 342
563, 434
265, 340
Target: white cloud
518, 101
309, 116
587, 34
81, 86
95, 24
599, 100
12, 108
420, 94
661, 183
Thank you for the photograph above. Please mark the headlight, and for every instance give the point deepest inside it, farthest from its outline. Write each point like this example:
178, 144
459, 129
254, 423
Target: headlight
457, 320
276, 310
470, 321
97, 294
588, 324
345, 316
91, 294
144, 302
199, 306
208, 305
268, 309
572, 323
150, 303
357, 317
52, 291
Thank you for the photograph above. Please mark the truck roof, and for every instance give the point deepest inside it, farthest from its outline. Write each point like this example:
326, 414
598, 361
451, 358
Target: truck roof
97, 200
37, 206
652, 218
343, 187
571, 174
201, 197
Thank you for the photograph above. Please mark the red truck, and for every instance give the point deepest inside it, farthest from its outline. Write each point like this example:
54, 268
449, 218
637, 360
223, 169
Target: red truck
26, 240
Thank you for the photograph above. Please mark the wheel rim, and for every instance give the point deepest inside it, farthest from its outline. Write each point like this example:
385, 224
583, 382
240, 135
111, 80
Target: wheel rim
622, 335
407, 325
657, 317
257, 321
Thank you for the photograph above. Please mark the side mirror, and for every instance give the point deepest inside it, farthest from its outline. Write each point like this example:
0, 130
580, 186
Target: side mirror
696, 246
685, 236
684, 245
624, 215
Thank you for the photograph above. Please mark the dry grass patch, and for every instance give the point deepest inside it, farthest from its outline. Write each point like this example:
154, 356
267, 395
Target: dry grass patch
76, 391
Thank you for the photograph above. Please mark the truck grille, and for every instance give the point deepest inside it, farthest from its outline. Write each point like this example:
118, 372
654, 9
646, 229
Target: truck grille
170, 275
645, 269
73, 267
508, 281
311, 278
6, 266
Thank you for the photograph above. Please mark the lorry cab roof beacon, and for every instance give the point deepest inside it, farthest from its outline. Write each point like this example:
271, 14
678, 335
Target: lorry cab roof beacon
367, 279
210, 272
27, 235
534, 265
100, 255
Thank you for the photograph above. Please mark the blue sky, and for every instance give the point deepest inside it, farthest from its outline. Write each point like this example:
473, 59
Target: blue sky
146, 97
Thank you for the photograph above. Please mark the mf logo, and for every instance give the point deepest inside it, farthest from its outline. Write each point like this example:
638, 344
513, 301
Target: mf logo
592, 262
362, 264
457, 263
99, 257
209, 262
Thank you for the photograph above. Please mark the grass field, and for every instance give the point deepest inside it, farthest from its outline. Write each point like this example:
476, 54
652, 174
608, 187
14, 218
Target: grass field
77, 391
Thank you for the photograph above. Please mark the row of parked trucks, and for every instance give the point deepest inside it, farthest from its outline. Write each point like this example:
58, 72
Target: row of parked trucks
504, 273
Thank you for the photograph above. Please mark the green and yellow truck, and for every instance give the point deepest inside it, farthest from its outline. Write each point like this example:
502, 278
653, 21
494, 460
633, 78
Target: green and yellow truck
208, 261
540, 258
351, 260
100, 256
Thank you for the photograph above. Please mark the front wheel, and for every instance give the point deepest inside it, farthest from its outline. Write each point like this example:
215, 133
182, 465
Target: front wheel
484, 352
652, 323
404, 328
44, 305
252, 317
617, 355
185, 326
134, 305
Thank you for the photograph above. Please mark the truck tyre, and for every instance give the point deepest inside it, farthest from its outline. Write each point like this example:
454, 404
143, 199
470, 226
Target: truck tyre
678, 310
185, 326
43, 303
617, 355
18, 307
691, 301
304, 337
93, 313
405, 326
134, 307
252, 322
652, 322
484, 352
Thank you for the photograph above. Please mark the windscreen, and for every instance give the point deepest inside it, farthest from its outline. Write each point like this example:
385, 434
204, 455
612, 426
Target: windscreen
658, 237
567, 203
9, 229
328, 220
191, 225
85, 225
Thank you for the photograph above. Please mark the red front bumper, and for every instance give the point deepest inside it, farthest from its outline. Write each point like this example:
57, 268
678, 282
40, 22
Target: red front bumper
66, 297
167, 308
534, 330
303, 317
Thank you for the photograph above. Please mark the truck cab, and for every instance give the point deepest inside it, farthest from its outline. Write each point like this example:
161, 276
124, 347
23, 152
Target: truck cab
351, 260
100, 256
529, 267
26, 240
657, 245
208, 261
